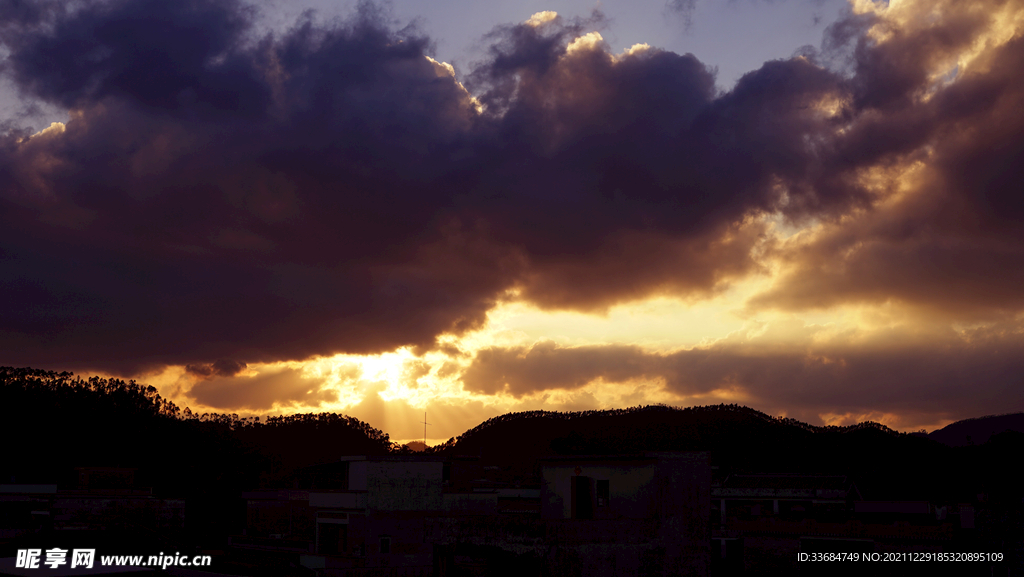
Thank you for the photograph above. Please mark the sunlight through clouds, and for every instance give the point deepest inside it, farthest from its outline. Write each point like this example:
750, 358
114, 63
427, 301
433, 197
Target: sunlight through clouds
341, 218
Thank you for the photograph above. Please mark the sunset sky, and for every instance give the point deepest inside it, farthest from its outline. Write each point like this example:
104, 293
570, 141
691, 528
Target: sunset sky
810, 207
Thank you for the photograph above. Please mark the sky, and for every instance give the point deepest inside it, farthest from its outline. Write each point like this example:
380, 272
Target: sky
808, 207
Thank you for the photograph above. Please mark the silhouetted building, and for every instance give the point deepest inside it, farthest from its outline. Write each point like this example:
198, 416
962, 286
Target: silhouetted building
377, 518
25, 509
103, 498
279, 521
762, 522
644, 514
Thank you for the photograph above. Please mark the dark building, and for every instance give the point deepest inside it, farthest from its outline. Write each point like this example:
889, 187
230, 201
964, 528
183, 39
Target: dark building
762, 522
414, 515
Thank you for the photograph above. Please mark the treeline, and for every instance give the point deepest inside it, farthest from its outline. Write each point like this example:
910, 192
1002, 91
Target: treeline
64, 388
57, 421
54, 422
885, 463
657, 408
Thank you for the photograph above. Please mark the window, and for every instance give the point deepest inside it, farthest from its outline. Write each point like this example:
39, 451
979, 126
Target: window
333, 538
582, 498
602, 493
385, 545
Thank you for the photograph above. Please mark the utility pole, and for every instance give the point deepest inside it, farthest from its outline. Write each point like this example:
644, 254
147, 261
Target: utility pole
425, 423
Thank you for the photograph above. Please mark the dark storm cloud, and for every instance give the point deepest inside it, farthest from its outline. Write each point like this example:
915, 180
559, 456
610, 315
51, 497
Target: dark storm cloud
220, 368
525, 370
259, 393
155, 53
632, 175
26, 12
978, 372
222, 195
952, 242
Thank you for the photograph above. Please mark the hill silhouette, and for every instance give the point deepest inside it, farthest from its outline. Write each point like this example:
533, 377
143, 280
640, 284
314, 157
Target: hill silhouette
109, 422
885, 463
978, 430
55, 422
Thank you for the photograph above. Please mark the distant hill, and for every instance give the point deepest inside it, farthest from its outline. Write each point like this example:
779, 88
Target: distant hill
725, 429
54, 422
977, 431
885, 463
108, 422
58, 421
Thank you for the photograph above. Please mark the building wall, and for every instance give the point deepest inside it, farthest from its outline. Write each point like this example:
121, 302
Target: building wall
471, 503
357, 475
673, 484
629, 485
684, 493
408, 546
338, 500
403, 486
659, 505
279, 517
103, 512
655, 522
